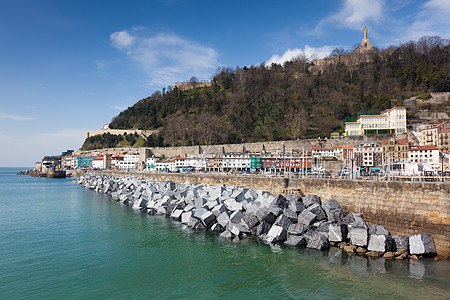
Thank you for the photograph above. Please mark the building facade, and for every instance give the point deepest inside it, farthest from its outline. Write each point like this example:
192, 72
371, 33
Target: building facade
424, 155
431, 134
395, 150
444, 141
390, 121
368, 157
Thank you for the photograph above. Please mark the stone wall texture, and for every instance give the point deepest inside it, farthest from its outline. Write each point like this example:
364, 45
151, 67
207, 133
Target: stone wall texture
402, 207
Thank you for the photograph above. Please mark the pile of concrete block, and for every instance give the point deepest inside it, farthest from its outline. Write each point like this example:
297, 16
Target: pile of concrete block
236, 212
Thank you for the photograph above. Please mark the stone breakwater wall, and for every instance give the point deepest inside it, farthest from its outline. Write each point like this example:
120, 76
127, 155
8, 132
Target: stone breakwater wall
406, 208
236, 212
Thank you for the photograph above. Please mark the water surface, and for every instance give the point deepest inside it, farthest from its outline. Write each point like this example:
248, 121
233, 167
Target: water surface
59, 240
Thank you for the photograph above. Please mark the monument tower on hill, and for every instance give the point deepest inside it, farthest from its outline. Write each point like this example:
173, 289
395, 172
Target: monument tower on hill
365, 40
365, 44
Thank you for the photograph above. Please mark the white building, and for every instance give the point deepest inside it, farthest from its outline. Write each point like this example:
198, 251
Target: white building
239, 162
424, 154
68, 162
130, 161
151, 162
322, 152
98, 163
390, 121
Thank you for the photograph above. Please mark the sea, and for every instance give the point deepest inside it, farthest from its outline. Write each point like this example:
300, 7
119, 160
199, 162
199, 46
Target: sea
59, 240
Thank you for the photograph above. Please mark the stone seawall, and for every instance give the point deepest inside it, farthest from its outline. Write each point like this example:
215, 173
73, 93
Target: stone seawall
402, 207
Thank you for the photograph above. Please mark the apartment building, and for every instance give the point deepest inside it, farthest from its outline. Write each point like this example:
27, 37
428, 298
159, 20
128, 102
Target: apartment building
395, 150
368, 157
430, 135
390, 121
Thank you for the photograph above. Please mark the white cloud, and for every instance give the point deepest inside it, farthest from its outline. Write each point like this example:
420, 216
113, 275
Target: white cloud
432, 19
121, 39
167, 58
118, 107
308, 52
14, 117
355, 14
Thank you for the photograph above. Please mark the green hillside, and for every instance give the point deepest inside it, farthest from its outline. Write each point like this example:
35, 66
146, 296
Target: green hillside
260, 103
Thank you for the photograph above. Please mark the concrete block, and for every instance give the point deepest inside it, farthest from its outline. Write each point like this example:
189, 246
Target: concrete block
355, 219
236, 216
281, 201
262, 228
422, 244
227, 235
306, 217
296, 206
243, 227
358, 236
251, 220
238, 195
333, 210
296, 229
400, 242
185, 217
223, 219
210, 205
161, 210
309, 200
199, 226
290, 214
283, 221
378, 229
270, 218
232, 205
188, 207
318, 241
318, 211
192, 222
233, 228
291, 197
380, 243
199, 202
207, 218
251, 195
216, 227
199, 211
218, 209
323, 228
176, 214
295, 241
337, 232
276, 234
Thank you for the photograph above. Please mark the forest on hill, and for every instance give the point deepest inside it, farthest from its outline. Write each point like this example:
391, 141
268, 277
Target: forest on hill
290, 101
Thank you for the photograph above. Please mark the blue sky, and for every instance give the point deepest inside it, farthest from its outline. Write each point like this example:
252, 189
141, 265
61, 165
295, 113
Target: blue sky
67, 67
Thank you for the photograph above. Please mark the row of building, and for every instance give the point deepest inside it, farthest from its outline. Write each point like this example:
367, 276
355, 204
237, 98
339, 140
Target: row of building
396, 155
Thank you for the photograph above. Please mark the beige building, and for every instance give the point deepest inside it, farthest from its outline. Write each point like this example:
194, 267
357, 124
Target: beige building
390, 121
430, 135
444, 140
395, 150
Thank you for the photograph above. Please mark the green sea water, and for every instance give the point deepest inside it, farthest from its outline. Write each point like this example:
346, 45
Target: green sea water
61, 241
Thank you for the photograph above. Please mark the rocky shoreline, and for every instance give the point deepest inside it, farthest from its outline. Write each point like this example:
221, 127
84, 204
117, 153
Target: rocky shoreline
238, 212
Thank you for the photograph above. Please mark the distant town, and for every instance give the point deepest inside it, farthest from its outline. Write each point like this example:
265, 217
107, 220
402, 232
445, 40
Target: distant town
421, 155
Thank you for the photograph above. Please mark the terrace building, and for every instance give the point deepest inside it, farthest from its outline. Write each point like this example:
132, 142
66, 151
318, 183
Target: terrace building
390, 121
430, 135
424, 155
444, 141
368, 157
395, 150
